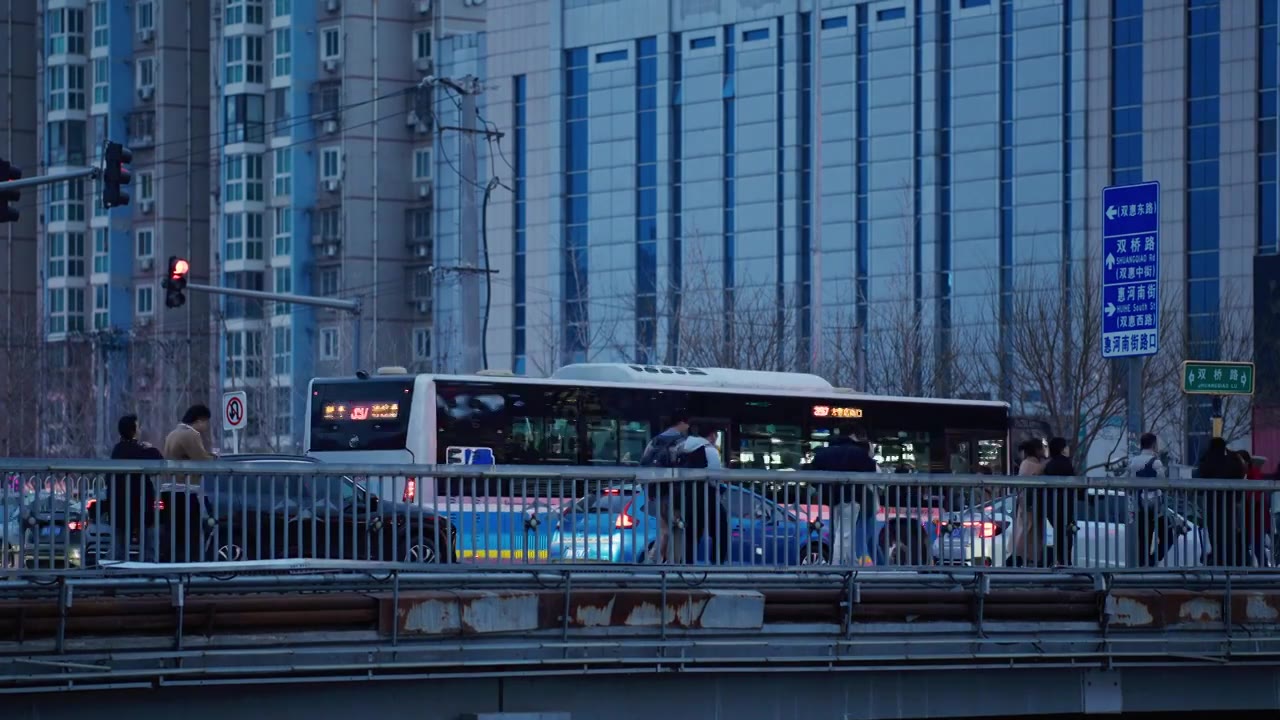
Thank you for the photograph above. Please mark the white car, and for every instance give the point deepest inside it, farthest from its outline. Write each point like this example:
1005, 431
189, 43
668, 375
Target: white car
983, 534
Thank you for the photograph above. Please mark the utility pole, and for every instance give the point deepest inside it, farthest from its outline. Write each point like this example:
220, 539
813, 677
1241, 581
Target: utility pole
469, 268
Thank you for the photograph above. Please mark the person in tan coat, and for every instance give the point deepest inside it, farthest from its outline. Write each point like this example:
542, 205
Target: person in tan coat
1028, 521
186, 442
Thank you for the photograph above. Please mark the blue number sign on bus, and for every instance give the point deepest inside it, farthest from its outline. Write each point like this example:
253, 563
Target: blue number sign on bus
457, 455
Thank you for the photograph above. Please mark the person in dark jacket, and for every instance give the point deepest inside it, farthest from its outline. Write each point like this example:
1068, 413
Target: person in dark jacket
851, 504
1060, 506
1219, 463
700, 503
133, 495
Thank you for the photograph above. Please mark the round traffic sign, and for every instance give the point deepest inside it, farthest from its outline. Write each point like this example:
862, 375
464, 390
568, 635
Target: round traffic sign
235, 411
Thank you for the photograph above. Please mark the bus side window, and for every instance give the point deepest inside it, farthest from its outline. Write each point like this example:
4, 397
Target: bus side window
618, 426
544, 424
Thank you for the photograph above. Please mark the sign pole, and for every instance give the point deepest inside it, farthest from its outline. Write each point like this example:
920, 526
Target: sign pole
1216, 420
235, 442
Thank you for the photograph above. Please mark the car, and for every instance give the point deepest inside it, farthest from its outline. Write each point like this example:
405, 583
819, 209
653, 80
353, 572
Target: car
267, 516
58, 533
618, 524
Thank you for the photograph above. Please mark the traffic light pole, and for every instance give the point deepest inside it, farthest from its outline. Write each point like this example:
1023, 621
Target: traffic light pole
90, 172
349, 306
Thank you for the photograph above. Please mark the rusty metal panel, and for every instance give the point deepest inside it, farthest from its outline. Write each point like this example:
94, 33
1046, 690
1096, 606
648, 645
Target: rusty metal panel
472, 612
695, 609
1172, 608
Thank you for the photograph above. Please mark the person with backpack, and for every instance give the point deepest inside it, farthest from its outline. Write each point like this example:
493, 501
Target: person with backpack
850, 503
662, 452
1151, 524
699, 502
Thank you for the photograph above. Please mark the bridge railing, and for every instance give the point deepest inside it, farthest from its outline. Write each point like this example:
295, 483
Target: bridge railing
106, 516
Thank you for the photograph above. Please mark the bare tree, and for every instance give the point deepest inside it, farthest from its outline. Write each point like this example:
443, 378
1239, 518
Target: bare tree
20, 384
905, 359
1057, 374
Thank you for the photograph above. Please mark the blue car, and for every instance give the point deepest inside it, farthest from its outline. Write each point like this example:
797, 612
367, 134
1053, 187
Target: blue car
618, 525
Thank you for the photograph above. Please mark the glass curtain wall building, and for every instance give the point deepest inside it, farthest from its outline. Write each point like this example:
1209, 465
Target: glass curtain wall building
845, 160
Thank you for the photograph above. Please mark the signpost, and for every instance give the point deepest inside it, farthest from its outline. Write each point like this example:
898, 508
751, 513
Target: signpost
1217, 378
1131, 270
235, 411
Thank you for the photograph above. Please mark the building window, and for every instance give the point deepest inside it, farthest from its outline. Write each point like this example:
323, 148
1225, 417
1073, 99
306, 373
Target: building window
282, 63
330, 163
421, 344
66, 142
244, 354
146, 15
143, 301
244, 236
145, 73
145, 189
282, 225
56, 246
329, 343
66, 87
331, 224
282, 8
422, 164
330, 44
244, 118
99, 11
280, 110
1268, 137
75, 254
244, 178
101, 307
518, 224
422, 45
66, 202
65, 27
57, 310
146, 243
243, 58
283, 284
75, 309
101, 250
101, 80
239, 12
284, 411
282, 353
282, 169
329, 282
576, 166
646, 228
235, 308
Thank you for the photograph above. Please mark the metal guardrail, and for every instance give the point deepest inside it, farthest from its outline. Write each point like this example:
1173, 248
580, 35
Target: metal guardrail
109, 516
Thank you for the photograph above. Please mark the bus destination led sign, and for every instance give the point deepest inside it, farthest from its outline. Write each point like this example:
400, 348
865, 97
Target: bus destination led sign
832, 411
361, 412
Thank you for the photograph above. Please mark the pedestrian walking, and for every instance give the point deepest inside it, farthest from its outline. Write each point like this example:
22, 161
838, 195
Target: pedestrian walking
1028, 528
1219, 463
1152, 527
132, 498
186, 441
700, 504
1059, 508
851, 503
662, 452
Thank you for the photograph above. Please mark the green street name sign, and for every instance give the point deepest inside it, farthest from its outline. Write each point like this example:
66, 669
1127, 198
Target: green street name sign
1217, 378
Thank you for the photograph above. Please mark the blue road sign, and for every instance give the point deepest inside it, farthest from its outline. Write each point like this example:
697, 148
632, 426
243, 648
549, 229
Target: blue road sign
1131, 270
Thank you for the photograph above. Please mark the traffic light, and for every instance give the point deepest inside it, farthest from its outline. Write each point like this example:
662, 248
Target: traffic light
175, 282
9, 172
115, 174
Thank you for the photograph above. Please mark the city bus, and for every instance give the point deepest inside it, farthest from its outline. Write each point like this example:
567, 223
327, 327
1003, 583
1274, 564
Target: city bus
603, 415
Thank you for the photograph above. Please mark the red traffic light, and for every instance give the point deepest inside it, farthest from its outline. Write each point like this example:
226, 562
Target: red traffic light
179, 269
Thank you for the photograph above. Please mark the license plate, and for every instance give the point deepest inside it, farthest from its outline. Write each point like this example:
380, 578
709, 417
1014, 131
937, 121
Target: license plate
958, 532
51, 531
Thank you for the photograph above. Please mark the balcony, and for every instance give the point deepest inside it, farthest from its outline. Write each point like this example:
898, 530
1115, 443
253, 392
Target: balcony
326, 105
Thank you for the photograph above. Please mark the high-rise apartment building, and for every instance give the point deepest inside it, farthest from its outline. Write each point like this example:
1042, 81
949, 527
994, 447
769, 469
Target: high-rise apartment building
847, 173
133, 73
325, 170
19, 321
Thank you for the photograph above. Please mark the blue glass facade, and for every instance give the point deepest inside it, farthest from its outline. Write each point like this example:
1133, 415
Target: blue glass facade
943, 232
804, 180
576, 167
1007, 180
862, 181
520, 239
729, 131
1268, 133
675, 152
1126, 92
1203, 261
646, 199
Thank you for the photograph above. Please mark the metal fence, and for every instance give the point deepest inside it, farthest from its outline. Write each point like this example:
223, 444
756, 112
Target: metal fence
97, 515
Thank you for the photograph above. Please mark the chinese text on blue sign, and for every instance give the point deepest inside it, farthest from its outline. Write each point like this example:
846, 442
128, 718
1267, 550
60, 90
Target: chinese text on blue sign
1130, 270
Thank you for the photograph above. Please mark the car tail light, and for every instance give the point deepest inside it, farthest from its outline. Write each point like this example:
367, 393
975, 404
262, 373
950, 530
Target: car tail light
625, 521
75, 525
88, 507
612, 491
984, 528
410, 490
158, 504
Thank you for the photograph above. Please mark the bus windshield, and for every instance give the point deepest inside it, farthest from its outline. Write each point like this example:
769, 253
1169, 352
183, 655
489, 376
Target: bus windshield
370, 414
